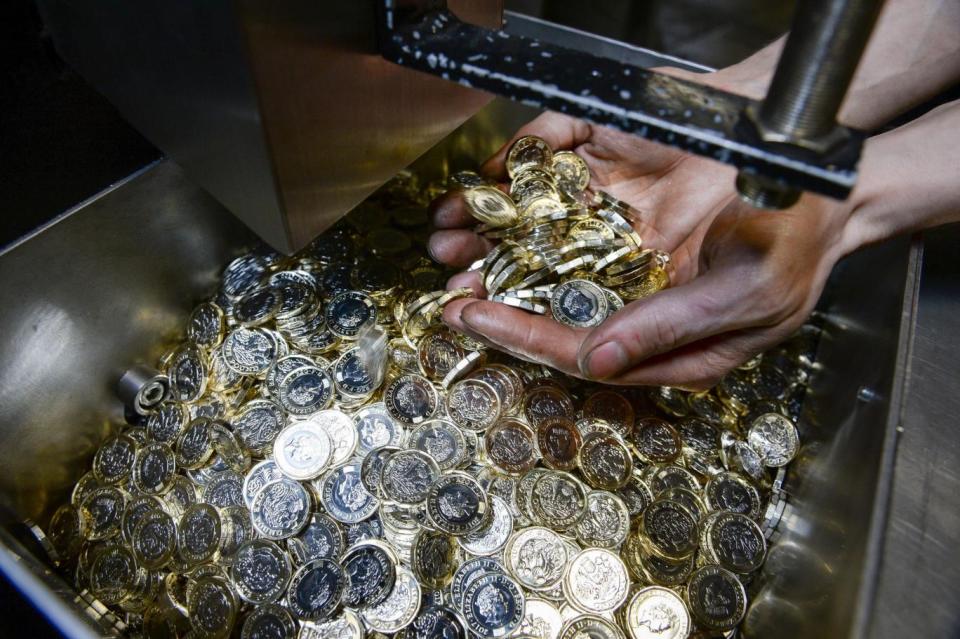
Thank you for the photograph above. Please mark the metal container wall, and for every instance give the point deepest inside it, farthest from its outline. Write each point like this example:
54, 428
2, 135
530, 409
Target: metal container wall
111, 283
283, 110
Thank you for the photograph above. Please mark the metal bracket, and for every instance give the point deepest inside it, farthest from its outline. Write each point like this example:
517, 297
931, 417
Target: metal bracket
680, 113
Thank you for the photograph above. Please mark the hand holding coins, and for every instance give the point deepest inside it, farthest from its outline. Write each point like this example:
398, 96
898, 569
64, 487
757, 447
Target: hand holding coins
740, 280
560, 248
285, 489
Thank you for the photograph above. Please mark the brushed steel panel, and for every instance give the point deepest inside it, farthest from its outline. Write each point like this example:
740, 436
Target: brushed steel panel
83, 299
818, 579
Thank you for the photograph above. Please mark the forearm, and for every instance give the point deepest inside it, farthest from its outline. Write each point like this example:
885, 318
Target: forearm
913, 54
908, 180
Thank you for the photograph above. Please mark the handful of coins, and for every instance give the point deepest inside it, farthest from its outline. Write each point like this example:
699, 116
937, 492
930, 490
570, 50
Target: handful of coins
560, 248
284, 489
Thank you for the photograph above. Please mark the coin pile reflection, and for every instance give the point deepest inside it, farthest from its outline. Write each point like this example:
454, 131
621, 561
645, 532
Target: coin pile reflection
284, 489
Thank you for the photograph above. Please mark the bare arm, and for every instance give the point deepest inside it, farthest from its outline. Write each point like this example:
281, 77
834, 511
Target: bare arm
913, 54
744, 279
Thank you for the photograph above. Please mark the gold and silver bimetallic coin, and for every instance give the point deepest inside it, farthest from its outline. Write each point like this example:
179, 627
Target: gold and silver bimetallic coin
332, 461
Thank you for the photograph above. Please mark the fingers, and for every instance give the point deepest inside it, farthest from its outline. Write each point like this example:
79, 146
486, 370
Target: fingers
701, 365
458, 248
468, 279
558, 130
450, 211
660, 323
534, 338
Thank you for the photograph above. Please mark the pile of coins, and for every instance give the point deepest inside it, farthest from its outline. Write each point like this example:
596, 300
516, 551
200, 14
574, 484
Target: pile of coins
561, 249
285, 489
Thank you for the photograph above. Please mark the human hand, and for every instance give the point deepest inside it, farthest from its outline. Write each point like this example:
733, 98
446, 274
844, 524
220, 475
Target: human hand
676, 194
760, 275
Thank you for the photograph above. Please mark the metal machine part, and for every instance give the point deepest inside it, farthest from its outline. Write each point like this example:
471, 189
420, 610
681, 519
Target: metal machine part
822, 51
93, 291
286, 113
142, 388
283, 111
782, 150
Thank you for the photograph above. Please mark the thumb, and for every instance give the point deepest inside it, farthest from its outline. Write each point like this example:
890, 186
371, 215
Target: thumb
657, 324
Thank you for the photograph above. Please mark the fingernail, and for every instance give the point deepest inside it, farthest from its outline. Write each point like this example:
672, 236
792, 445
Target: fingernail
605, 361
431, 251
475, 319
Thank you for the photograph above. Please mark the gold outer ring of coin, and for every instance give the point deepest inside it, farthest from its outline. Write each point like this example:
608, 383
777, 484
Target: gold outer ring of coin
669, 603
514, 428
526, 152
490, 205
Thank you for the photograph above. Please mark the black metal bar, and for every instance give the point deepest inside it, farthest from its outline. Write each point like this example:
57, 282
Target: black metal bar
825, 44
813, 74
662, 108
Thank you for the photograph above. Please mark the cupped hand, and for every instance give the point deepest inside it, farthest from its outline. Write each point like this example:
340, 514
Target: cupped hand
742, 279
676, 194
760, 275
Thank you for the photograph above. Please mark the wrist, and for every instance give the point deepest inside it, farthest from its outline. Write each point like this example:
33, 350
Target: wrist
907, 179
